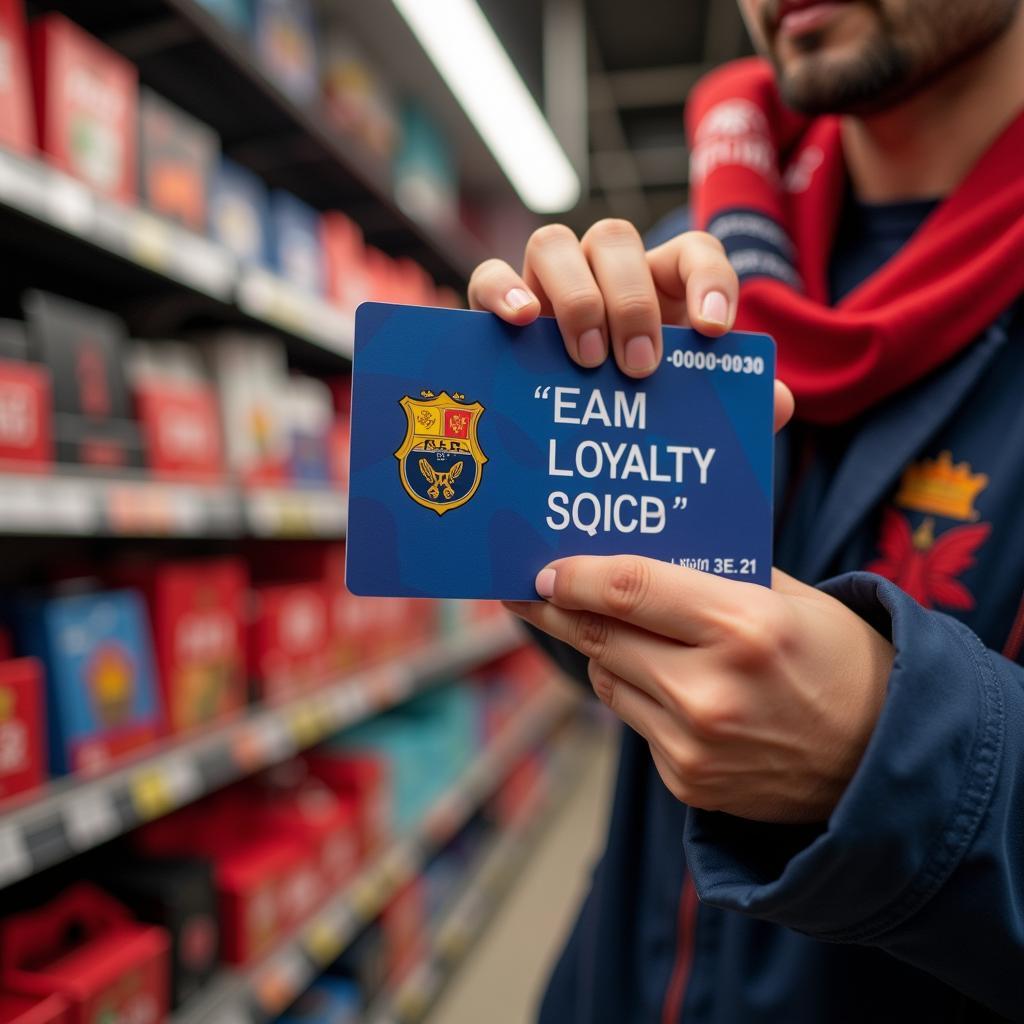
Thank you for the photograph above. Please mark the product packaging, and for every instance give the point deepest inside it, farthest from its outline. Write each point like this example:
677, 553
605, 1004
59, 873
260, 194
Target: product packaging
33, 1009
179, 895
101, 688
86, 99
85, 350
344, 261
17, 124
177, 158
197, 612
286, 45
327, 1001
85, 947
298, 254
22, 735
26, 428
239, 213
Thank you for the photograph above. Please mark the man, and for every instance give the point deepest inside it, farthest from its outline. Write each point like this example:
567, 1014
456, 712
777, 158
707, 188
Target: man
837, 771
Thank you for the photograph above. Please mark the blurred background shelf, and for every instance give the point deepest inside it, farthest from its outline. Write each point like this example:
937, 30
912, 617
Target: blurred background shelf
73, 815
81, 503
268, 987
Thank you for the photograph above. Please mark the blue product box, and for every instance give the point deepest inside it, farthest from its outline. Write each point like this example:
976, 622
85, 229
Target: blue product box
286, 44
298, 252
239, 213
102, 697
327, 1001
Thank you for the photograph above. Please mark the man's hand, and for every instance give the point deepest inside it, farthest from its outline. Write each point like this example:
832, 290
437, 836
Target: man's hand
607, 293
755, 702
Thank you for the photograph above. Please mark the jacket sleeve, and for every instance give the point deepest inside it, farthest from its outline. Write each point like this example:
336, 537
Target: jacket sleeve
923, 856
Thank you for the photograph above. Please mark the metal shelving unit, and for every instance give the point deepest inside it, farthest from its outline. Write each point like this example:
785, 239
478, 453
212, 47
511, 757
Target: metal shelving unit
266, 988
73, 815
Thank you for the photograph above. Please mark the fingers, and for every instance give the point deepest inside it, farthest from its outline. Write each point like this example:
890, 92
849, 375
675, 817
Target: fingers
664, 599
618, 647
694, 270
496, 288
637, 709
785, 405
616, 254
554, 257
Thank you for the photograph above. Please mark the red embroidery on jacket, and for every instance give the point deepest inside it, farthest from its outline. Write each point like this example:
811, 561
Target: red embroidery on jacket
925, 566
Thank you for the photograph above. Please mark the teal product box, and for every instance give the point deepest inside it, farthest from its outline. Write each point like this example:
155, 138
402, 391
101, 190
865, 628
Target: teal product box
285, 41
239, 213
101, 685
425, 180
298, 255
327, 1001
236, 14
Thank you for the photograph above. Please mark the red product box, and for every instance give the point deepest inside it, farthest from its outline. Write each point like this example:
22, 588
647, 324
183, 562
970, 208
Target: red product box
22, 733
197, 613
33, 1010
382, 276
86, 101
365, 780
17, 130
26, 404
85, 947
403, 922
325, 823
344, 255
289, 636
181, 427
519, 790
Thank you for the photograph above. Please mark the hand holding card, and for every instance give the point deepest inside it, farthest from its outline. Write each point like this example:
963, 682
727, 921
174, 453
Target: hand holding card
480, 452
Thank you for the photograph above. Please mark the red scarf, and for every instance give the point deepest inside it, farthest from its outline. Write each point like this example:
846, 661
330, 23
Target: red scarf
770, 184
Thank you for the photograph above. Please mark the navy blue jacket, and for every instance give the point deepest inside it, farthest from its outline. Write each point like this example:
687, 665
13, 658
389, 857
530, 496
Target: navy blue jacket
908, 904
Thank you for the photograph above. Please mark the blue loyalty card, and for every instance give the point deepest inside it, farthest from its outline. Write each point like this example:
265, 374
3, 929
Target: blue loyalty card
480, 452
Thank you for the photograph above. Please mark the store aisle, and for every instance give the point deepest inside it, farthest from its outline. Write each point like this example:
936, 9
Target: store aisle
501, 981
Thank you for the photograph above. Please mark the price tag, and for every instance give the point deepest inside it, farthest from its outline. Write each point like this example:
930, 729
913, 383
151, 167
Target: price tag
369, 894
15, 861
90, 818
304, 726
323, 942
150, 241
151, 794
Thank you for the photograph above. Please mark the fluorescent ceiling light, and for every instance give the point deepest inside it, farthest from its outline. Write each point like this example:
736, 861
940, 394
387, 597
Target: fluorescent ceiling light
461, 43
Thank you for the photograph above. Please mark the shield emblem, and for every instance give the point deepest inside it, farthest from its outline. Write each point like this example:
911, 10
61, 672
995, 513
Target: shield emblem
440, 461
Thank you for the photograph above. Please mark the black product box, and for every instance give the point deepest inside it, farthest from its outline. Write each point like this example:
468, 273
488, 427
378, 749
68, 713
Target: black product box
85, 349
13, 340
178, 894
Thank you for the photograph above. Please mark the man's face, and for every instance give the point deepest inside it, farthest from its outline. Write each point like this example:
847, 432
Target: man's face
860, 56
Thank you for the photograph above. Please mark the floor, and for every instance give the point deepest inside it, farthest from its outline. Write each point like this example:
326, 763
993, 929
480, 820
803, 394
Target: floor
502, 979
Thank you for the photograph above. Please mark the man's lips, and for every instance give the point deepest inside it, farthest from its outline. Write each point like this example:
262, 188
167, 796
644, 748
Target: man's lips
798, 17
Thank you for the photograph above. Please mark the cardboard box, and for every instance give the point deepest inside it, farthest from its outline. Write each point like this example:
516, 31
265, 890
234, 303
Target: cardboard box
85, 351
179, 895
26, 428
239, 213
17, 121
86, 100
84, 947
181, 429
295, 229
365, 779
33, 1009
197, 615
288, 638
102, 698
22, 737
177, 158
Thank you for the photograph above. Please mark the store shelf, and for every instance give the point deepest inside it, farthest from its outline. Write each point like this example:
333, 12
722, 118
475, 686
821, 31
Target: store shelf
475, 906
292, 145
158, 249
73, 815
268, 987
77, 503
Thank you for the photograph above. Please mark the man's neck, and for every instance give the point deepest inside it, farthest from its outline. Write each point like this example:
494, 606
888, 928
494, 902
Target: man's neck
924, 147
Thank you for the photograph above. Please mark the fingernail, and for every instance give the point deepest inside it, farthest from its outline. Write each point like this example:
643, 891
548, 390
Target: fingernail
640, 353
715, 309
591, 347
517, 298
545, 583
